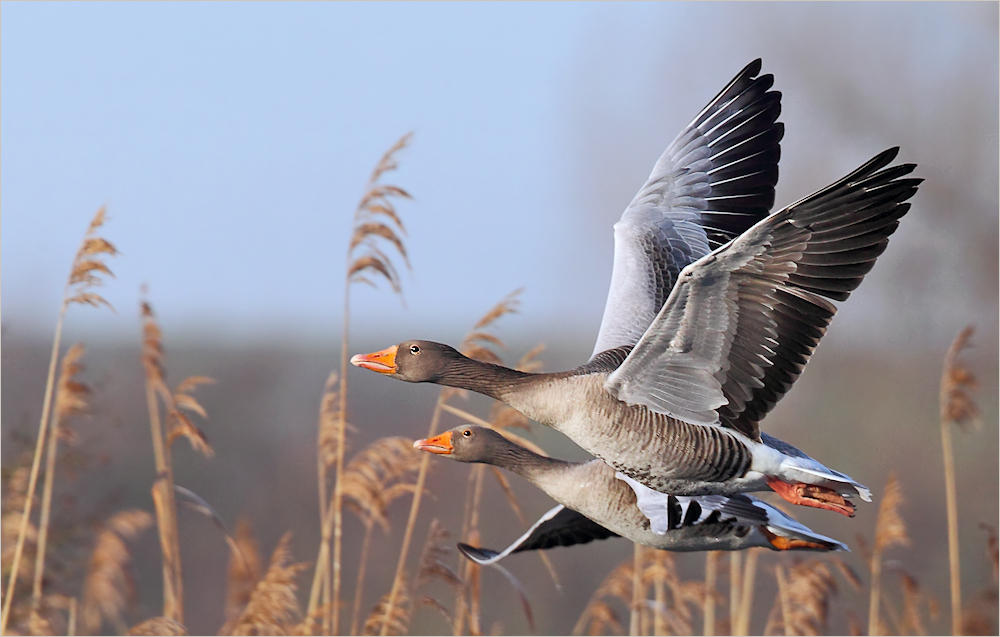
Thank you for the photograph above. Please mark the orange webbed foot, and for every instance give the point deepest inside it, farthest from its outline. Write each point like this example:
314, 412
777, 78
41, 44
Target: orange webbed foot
811, 495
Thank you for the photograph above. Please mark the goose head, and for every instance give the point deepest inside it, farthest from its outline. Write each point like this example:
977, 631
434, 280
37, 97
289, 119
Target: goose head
467, 443
412, 361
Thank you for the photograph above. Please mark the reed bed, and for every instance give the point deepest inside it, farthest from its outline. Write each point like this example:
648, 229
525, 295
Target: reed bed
646, 594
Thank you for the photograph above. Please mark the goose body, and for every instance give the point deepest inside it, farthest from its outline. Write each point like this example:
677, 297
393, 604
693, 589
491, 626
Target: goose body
595, 503
715, 308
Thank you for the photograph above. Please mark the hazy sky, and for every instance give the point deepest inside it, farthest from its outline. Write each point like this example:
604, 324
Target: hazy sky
230, 143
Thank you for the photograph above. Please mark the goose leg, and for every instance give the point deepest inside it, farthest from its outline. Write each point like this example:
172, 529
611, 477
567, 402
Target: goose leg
811, 495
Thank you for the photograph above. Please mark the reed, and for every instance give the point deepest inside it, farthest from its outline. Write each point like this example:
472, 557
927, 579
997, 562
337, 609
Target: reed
108, 587
178, 424
741, 623
373, 479
638, 594
890, 530
273, 605
959, 408
711, 573
375, 222
628, 586
86, 273
70, 401
802, 606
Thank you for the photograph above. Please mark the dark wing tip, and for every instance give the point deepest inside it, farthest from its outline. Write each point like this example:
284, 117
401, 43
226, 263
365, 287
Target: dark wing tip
752, 69
477, 555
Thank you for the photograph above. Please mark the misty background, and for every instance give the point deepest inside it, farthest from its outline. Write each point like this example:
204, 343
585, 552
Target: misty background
231, 143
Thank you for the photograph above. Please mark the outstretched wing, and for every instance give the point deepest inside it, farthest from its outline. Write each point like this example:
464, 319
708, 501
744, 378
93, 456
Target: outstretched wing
742, 322
558, 527
715, 180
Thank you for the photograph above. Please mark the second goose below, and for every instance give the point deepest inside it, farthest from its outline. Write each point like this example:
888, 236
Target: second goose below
594, 505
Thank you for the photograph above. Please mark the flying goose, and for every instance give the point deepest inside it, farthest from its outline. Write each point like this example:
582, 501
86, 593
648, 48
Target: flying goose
594, 504
713, 312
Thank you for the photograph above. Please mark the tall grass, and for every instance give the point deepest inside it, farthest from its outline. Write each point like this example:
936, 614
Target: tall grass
85, 274
959, 408
177, 425
375, 221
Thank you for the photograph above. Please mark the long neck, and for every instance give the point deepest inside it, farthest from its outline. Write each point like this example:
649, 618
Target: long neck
483, 378
526, 463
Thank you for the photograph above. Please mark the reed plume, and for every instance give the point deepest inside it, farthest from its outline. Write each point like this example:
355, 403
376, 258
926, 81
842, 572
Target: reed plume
15, 484
244, 570
158, 626
390, 619
958, 407
376, 222
890, 530
273, 605
70, 401
671, 614
109, 586
802, 606
375, 477
86, 273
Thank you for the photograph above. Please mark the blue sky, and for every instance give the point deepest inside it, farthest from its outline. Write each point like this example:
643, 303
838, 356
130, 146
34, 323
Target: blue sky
230, 143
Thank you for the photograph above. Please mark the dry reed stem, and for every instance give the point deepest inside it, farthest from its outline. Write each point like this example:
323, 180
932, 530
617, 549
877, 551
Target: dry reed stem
711, 573
890, 530
376, 203
386, 619
87, 265
70, 401
742, 623
957, 406
109, 585
735, 573
328, 439
273, 604
783, 595
638, 591
163, 486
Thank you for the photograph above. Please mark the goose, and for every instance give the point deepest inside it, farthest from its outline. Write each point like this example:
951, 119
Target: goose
594, 504
707, 323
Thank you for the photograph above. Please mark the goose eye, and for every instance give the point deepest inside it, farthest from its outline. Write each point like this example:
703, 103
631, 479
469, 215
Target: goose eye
467, 433
414, 349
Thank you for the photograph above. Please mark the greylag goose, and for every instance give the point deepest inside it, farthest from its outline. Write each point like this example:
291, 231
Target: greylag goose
594, 504
699, 342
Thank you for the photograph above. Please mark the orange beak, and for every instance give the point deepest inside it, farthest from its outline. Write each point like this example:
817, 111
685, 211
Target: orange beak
438, 444
383, 362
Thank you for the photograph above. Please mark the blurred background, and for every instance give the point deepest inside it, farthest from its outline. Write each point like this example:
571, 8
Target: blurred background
231, 143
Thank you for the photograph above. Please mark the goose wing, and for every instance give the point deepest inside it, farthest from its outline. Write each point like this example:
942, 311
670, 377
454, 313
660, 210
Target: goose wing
715, 180
741, 323
558, 527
